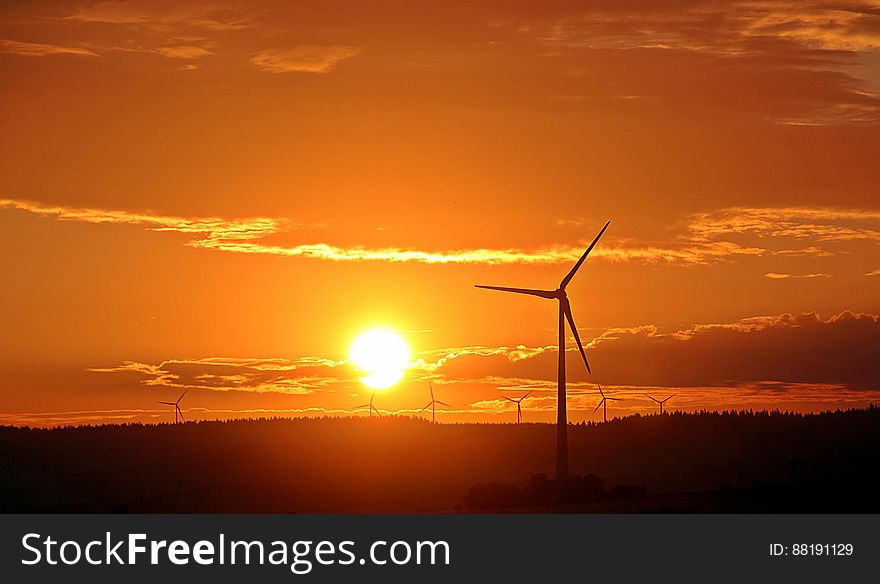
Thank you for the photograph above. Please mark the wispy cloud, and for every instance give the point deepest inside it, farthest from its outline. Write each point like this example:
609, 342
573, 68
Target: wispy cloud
303, 59
301, 376
175, 30
874, 272
725, 27
841, 113
820, 224
812, 38
183, 52
207, 228
163, 15
778, 276
41, 49
706, 237
844, 26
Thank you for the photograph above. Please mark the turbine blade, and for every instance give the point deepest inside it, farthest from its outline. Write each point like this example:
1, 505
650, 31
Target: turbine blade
600, 390
541, 293
574, 270
426, 407
179, 411
655, 400
444, 404
614, 398
431, 386
526, 395
599, 406
577, 337
669, 398
508, 399
181, 395
167, 403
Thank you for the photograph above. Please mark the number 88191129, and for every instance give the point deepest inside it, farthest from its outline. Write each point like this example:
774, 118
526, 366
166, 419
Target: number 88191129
822, 549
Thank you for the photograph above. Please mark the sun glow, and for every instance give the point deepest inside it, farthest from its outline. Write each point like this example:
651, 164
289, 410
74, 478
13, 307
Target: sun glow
382, 355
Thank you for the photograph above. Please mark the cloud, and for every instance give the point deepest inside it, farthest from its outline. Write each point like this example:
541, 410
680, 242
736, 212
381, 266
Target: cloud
782, 348
209, 229
183, 52
162, 15
807, 47
765, 351
823, 224
41, 49
777, 276
874, 272
190, 48
303, 59
175, 30
733, 27
768, 361
302, 376
844, 26
851, 113
705, 239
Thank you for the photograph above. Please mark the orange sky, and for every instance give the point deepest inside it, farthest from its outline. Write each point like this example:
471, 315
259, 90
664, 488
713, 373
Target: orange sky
221, 196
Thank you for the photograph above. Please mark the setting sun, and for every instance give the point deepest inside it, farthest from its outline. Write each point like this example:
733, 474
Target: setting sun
382, 355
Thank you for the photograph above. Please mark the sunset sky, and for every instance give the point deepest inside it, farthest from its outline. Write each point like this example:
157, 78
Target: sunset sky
223, 196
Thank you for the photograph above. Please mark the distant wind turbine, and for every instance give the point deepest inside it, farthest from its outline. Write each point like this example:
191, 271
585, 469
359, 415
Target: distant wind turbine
518, 403
176, 404
604, 403
433, 404
564, 313
660, 402
370, 406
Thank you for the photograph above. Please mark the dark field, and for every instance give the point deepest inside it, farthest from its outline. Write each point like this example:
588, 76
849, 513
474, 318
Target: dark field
709, 462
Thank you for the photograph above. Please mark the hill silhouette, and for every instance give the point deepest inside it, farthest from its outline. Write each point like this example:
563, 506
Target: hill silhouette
709, 461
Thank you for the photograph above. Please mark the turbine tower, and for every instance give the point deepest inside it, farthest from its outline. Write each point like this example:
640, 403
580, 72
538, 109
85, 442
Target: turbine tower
604, 403
432, 404
564, 314
176, 404
370, 405
518, 403
660, 402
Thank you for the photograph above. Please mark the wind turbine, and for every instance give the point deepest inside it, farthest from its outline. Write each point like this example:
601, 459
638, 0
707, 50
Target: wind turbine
432, 404
176, 405
660, 402
604, 404
564, 313
370, 405
518, 403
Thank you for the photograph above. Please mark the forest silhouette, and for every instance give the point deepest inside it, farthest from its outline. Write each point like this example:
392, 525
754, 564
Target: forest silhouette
680, 462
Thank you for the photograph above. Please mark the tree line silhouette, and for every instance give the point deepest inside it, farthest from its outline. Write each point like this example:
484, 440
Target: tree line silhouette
744, 461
